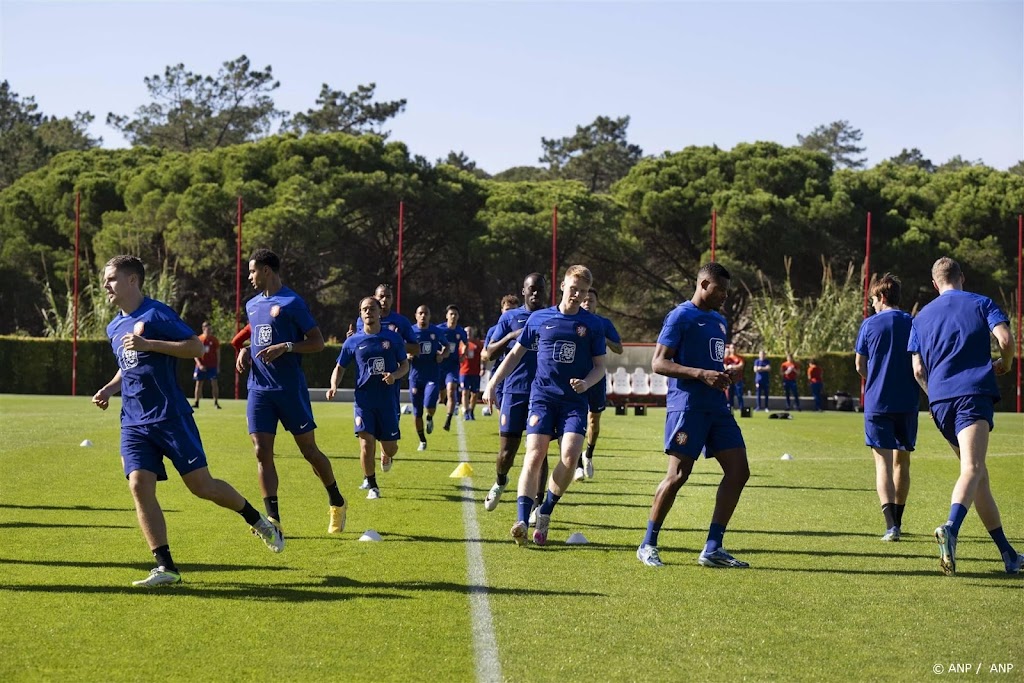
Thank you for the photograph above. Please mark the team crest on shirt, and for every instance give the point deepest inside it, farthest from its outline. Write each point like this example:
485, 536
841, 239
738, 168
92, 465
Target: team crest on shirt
393, 327
264, 335
433, 337
581, 330
275, 311
717, 349
682, 438
564, 351
139, 328
129, 358
386, 344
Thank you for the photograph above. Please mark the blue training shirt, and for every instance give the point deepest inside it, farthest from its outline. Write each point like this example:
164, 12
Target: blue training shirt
394, 322
890, 385
374, 355
430, 341
276, 319
453, 335
566, 346
952, 336
521, 378
610, 332
698, 340
149, 386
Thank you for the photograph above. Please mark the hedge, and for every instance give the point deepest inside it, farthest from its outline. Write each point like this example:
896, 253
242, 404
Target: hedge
43, 366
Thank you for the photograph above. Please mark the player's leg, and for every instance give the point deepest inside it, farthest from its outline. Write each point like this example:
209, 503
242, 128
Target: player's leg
368, 461
511, 424
561, 477
901, 482
451, 387
885, 487
988, 511
431, 393
738, 386
679, 468
529, 481
321, 465
215, 390
198, 393
735, 473
593, 431
417, 392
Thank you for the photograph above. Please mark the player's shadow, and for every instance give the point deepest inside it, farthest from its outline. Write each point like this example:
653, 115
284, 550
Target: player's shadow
808, 488
451, 587
62, 508
993, 576
61, 525
143, 566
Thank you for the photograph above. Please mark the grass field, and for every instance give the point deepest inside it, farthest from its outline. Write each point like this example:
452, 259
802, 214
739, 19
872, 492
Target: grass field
824, 598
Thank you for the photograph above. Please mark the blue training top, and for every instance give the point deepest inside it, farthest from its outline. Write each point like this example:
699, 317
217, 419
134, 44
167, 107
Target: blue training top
566, 347
374, 355
149, 386
890, 385
698, 340
276, 319
424, 364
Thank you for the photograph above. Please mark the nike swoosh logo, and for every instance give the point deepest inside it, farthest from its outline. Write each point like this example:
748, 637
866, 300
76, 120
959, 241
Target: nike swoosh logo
701, 324
394, 433
550, 327
193, 460
303, 426
362, 347
522, 320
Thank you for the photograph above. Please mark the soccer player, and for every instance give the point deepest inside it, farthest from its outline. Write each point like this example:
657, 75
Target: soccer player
762, 379
790, 371
734, 366
455, 337
469, 372
431, 350
890, 399
148, 338
950, 342
380, 360
206, 366
508, 302
597, 394
282, 330
815, 377
690, 352
515, 390
569, 346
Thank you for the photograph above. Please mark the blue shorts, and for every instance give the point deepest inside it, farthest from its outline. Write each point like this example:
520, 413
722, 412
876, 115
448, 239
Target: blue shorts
470, 383
265, 408
199, 375
143, 447
514, 411
421, 391
379, 421
956, 414
554, 418
451, 377
597, 397
894, 431
688, 432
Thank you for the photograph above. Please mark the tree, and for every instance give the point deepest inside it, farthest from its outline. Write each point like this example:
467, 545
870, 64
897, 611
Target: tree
1017, 168
913, 157
190, 111
462, 162
596, 155
839, 141
518, 174
340, 112
29, 138
958, 163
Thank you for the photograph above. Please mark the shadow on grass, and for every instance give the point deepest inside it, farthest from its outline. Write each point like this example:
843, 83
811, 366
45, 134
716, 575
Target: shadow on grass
62, 525
73, 508
142, 566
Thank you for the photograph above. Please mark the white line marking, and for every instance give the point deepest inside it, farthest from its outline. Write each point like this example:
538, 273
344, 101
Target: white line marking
485, 645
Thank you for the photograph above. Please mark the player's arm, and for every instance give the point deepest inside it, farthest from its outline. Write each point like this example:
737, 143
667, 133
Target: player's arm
595, 375
313, 343
861, 362
402, 371
613, 346
186, 348
238, 341
1004, 338
336, 376
102, 397
664, 365
495, 348
503, 371
920, 372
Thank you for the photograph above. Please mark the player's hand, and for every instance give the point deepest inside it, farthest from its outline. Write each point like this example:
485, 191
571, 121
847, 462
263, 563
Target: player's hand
999, 367
351, 330
490, 393
101, 399
388, 378
441, 356
134, 342
578, 385
717, 380
331, 393
200, 367
272, 353
242, 361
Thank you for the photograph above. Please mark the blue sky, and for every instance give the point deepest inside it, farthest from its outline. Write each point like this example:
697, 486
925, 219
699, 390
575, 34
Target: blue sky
492, 78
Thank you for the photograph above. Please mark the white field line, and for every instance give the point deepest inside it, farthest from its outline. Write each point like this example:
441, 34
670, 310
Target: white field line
485, 644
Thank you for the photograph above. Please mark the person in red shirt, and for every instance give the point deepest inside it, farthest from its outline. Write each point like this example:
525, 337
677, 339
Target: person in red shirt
469, 372
734, 365
206, 365
814, 376
790, 371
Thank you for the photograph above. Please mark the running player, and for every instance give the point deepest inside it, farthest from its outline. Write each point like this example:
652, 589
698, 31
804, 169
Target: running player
597, 394
469, 372
431, 350
455, 337
508, 302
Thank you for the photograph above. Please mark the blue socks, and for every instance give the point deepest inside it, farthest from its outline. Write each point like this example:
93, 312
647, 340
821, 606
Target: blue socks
715, 534
525, 504
957, 513
1000, 538
651, 537
549, 503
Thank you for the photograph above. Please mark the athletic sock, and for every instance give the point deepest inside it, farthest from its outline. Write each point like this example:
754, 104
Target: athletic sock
957, 514
888, 510
1000, 538
371, 482
270, 504
590, 449
334, 495
525, 506
899, 513
715, 534
651, 537
501, 479
163, 558
250, 514
448, 421
549, 503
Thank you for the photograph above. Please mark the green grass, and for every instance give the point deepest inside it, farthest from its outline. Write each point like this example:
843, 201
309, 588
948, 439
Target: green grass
824, 598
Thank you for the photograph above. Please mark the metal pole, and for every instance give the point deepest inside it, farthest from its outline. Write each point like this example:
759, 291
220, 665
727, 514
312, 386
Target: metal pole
74, 338
554, 252
867, 287
238, 286
1020, 252
401, 236
714, 235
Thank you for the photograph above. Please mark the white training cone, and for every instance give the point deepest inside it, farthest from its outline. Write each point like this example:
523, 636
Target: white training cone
576, 539
786, 456
406, 409
86, 444
370, 535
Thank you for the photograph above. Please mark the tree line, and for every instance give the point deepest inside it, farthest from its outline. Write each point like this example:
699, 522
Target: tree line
323, 191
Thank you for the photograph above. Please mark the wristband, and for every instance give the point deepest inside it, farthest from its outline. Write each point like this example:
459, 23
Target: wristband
288, 347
